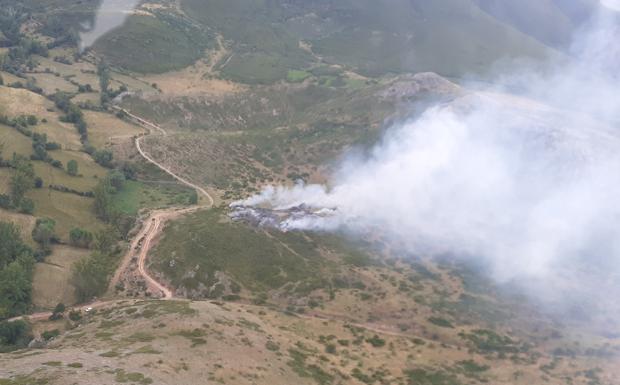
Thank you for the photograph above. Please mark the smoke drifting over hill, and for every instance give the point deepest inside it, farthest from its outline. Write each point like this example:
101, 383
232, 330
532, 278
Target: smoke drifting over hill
111, 14
524, 183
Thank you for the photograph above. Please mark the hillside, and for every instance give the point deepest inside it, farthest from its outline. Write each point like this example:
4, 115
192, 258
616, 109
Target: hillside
130, 151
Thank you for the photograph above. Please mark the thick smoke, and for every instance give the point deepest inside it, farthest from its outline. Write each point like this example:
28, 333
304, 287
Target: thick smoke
111, 14
526, 183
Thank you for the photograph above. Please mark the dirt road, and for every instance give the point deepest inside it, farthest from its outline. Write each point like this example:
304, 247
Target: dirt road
154, 223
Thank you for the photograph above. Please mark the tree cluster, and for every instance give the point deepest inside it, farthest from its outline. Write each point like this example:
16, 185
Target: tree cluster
16, 268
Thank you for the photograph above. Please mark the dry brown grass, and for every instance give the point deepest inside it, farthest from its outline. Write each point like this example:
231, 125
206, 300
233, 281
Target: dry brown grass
5, 178
9, 78
24, 222
227, 343
82, 72
14, 102
51, 281
12, 141
52, 83
102, 126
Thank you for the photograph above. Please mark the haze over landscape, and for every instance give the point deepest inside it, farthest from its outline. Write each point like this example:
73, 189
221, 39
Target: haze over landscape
309, 192
526, 182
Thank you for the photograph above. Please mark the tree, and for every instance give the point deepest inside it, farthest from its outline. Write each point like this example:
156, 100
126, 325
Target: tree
15, 334
193, 198
103, 204
11, 245
43, 233
22, 179
15, 289
58, 312
26, 206
117, 179
72, 167
90, 276
103, 157
80, 237
16, 266
103, 71
106, 239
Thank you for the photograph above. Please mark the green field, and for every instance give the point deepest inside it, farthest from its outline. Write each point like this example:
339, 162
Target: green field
138, 195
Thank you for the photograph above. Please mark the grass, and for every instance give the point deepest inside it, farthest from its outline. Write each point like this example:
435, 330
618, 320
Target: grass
14, 102
296, 76
299, 366
12, 141
204, 242
135, 377
488, 341
102, 126
140, 337
51, 83
51, 281
25, 222
265, 50
147, 349
90, 171
68, 210
137, 195
147, 44
429, 377
452, 38
24, 380
441, 322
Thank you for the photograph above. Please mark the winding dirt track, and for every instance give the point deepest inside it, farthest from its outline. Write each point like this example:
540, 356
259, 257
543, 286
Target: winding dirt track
150, 228
154, 223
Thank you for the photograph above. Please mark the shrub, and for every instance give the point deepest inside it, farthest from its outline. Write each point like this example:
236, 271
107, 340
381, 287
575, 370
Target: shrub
75, 315
49, 334
14, 335
441, 322
270, 345
72, 167
80, 237
376, 341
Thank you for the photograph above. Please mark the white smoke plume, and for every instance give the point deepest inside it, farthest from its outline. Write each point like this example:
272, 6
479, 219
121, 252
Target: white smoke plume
524, 182
111, 14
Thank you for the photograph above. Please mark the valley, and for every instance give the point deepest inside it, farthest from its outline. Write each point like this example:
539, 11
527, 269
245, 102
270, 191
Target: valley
119, 162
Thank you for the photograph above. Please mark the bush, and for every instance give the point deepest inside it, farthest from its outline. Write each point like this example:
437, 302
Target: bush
441, 322
5, 202
72, 167
14, 335
26, 206
49, 334
270, 345
376, 341
80, 237
43, 233
103, 157
75, 315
